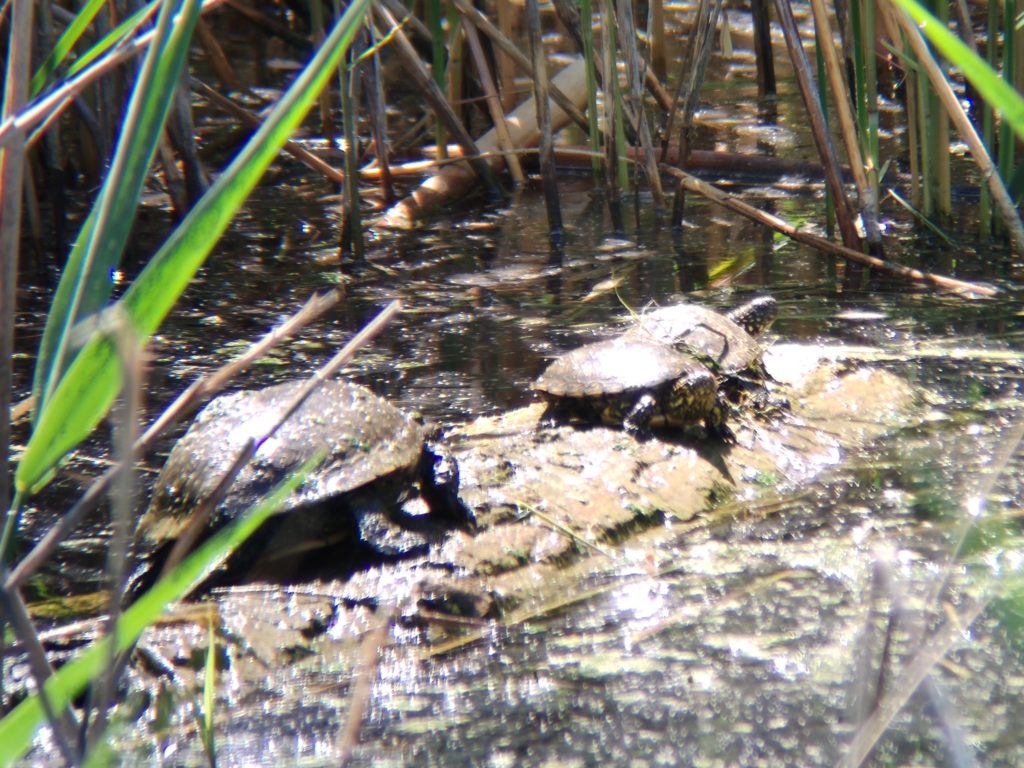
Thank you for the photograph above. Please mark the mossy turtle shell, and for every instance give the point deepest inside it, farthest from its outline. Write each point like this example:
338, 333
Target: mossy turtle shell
365, 439
612, 367
722, 340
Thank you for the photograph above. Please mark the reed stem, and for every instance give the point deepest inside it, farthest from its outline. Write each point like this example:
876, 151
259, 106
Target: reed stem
593, 126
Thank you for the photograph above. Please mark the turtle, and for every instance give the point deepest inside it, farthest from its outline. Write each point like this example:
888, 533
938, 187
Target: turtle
634, 383
727, 343
374, 454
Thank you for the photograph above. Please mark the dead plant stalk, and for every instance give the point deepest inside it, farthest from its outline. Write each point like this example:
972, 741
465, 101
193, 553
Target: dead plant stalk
841, 97
694, 184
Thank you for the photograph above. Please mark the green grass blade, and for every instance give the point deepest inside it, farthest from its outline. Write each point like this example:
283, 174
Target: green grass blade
85, 284
1000, 94
109, 40
64, 44
209, 694
87, 390
593, 127
1006, 146
18, 727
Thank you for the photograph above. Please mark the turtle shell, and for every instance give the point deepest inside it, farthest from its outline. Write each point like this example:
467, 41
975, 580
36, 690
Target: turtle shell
632, 383
719, 339
365, 438
613, 366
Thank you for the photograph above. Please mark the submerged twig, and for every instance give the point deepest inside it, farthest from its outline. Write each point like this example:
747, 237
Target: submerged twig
874, 685
905, 686
362, 686
1000, 462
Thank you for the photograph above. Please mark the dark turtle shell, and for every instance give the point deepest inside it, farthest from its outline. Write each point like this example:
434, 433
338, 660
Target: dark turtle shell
366, 440
633, 383
726, 342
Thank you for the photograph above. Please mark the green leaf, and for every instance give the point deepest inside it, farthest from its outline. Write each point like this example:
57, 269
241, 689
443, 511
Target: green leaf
996, 91
85, 284
86, 392
112, 38
209, 694
64, 44
18, 727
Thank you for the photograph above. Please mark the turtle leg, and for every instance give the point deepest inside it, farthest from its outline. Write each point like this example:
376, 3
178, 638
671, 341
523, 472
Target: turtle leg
637, 420
696, 397
552, 416
714, 423
750, 391
557, 413
439, 483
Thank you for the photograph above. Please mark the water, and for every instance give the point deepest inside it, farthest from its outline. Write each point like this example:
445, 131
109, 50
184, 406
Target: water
487, 303
763, 647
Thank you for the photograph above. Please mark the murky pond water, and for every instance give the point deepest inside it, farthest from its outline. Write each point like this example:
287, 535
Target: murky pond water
764, 646
755, 652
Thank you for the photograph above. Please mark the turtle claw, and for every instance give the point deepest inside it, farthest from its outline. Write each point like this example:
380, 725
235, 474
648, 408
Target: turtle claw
721, 431
638, 421
716, 425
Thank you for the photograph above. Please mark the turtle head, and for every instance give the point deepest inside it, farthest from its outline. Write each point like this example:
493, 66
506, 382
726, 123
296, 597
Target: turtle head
757, 315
